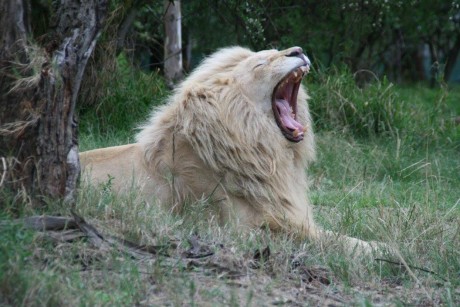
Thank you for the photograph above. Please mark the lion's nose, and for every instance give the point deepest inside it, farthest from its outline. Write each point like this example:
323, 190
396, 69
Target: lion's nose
295, 51
298, 52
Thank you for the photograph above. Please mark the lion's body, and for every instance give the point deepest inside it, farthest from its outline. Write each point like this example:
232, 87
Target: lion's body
216, 139
121, 165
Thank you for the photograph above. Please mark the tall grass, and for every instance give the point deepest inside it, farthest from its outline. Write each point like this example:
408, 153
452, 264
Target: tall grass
380, 109
128, 95
338, 104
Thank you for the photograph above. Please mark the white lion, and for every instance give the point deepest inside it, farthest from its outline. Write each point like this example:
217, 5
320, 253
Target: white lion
236, 132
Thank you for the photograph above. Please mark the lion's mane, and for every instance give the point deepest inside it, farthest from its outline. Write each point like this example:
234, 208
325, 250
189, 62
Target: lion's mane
212, 140
237, 134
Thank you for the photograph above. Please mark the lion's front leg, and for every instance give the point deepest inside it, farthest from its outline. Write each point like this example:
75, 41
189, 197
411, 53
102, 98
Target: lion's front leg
301, 220
352, 246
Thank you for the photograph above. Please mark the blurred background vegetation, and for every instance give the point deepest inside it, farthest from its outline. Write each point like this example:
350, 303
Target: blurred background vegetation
377, 65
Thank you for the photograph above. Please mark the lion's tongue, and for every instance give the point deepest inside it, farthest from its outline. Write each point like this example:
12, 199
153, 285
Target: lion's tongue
286, 117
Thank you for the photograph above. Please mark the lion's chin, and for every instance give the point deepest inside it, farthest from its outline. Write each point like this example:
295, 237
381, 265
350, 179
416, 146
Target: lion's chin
284, 104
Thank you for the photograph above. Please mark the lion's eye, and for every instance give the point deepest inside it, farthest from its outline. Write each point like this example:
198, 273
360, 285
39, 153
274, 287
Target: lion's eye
258, 65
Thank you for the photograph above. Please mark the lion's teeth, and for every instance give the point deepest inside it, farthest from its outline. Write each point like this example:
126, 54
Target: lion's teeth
297, 133
305, 68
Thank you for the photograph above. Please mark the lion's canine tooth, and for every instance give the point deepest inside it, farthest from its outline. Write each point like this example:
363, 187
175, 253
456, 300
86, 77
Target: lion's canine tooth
305, 68
295, 133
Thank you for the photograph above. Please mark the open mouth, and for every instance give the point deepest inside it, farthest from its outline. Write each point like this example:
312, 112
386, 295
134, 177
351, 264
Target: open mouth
284, 104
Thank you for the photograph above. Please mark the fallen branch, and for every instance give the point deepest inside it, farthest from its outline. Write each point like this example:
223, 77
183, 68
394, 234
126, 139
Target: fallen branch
91, 232
67, 229
97, 239
63, 236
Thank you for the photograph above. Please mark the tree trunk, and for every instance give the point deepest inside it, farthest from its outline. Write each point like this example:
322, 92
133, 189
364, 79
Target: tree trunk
38, 125
173, 42
125, 26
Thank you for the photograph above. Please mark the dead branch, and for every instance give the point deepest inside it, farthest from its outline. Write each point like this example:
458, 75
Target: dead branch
53, 223
411, 266
70, 235
108, 242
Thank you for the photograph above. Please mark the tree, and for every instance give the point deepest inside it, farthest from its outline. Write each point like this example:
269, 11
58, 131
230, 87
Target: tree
173, 42
39, 88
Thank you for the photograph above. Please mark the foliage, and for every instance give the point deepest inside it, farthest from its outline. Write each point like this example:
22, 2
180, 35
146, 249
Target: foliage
236, 22
385, 37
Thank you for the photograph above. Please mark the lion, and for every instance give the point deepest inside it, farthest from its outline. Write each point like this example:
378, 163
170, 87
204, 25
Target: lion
236, 132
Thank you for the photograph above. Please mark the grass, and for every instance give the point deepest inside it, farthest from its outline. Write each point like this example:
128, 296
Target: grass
400, 185
126, 99
340, 105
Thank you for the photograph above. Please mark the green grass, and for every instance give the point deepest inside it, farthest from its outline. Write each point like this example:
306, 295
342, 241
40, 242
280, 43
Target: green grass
126, 100
36, 272
400, 186
411, 200
338, 104
415, 114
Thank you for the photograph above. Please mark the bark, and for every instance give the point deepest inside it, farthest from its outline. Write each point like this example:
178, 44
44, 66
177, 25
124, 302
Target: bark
14, 27
15, 112
173, 42
37, 121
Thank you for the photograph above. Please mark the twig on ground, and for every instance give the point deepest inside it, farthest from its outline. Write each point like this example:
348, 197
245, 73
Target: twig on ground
411, 266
